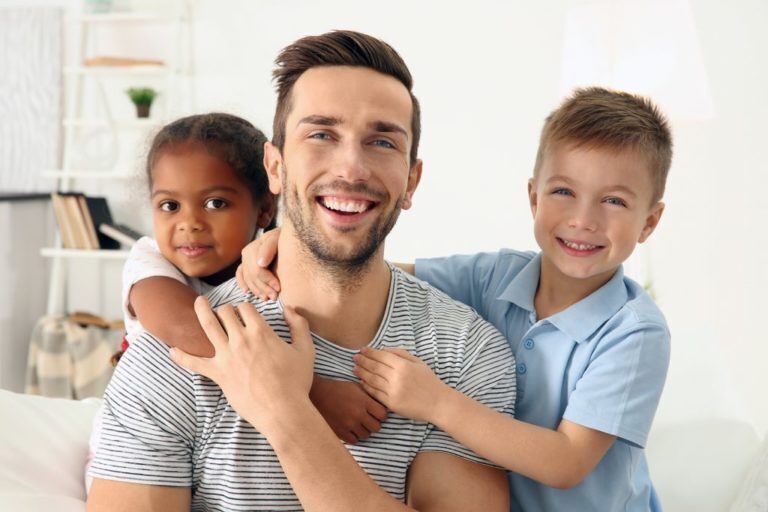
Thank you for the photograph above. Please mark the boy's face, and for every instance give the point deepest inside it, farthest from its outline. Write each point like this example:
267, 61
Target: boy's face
590, 207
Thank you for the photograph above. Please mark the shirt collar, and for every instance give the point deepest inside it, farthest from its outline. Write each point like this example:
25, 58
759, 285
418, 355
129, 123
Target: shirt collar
578, 321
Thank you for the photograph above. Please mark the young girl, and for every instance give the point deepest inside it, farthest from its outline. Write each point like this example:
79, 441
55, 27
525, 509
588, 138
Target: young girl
210, 197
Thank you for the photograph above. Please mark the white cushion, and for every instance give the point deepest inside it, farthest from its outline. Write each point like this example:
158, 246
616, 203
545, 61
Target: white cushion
43, 449
698, 465
753, 496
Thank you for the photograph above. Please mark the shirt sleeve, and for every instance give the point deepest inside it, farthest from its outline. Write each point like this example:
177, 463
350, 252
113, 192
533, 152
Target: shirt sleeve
620, 390
463, 278
485, 373
145, 260
148, 420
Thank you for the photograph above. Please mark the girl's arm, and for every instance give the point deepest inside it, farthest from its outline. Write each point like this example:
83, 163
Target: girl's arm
558, 458
165, 307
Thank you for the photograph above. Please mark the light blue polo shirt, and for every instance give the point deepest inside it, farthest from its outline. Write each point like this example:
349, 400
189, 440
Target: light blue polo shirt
600, 363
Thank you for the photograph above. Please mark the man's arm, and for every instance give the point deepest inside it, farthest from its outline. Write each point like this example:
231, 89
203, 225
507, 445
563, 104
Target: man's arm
441, 481
112, 496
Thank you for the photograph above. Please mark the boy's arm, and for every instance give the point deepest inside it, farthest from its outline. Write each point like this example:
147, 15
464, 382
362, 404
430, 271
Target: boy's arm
165, 307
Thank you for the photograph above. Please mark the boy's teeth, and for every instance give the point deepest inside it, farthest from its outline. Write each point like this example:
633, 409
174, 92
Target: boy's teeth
579, 247
345, 206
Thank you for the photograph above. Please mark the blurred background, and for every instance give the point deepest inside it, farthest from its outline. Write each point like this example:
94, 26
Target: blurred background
486, 72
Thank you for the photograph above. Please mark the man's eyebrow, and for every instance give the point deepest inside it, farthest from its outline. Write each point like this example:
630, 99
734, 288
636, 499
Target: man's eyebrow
321, 120
387, 127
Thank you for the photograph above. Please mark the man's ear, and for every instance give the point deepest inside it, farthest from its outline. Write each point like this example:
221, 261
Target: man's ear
651, 221
267, 210
273, 162
533, 197
414, 177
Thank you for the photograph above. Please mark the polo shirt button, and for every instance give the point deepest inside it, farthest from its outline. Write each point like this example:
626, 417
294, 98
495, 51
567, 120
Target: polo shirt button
521, 368
529, 344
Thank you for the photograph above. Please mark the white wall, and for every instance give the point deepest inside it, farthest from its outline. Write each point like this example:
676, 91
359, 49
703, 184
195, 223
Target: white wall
487, 73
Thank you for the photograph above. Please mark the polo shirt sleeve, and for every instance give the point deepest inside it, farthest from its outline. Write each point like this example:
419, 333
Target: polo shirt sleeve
484, 372
621, 387
148, 420
465, 278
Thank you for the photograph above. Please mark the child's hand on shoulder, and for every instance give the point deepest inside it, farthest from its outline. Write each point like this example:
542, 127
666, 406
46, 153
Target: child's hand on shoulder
401, 381
253, 274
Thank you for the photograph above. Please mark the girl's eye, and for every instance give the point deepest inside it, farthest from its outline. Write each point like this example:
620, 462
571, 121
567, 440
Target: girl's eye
616, 201
562, 192
215, 204
169, 206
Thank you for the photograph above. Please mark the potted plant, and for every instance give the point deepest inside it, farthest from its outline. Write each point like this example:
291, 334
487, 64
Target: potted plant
142, 97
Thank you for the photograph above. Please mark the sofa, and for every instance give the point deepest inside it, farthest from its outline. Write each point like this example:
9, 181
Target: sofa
707, 465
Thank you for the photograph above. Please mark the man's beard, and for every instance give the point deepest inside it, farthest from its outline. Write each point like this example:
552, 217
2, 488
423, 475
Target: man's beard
344, 266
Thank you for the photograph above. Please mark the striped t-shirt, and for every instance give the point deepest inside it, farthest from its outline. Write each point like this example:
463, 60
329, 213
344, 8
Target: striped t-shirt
164, 425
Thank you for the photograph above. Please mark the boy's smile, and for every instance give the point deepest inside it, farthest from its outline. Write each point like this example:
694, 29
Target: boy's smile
591, 206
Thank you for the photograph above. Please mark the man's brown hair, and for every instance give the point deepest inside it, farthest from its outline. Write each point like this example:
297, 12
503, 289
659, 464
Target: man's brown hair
338, 48
600, 118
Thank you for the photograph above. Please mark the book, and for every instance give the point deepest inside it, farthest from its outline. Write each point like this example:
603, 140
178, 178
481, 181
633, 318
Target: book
121, 233
100, 214
62, 219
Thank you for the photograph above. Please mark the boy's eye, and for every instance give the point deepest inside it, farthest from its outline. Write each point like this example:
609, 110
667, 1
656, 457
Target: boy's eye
562, 192
617, 201
215, 204
169, 206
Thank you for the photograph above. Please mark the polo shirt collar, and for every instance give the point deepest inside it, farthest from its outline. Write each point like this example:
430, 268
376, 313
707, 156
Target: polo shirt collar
580, 320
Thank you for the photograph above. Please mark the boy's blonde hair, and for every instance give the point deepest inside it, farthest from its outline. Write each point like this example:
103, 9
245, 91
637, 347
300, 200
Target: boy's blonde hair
601, 118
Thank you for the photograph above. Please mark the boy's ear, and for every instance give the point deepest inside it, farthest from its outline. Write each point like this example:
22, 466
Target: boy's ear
273, 162
533, 198
414, 177
651, 221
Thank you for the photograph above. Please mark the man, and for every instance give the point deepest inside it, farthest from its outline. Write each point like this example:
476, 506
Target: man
240, 432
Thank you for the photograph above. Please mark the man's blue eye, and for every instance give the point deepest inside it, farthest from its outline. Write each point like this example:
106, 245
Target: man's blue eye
320, 136
169, 206
384, 143
215, 204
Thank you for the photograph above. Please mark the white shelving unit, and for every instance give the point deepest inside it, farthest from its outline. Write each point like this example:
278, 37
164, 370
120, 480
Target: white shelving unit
176, 68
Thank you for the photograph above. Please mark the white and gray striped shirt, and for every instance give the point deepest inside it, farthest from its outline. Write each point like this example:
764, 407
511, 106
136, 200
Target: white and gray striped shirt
163, 425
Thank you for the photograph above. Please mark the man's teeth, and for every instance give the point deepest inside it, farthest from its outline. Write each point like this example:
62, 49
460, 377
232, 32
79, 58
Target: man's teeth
345, 206
579, 247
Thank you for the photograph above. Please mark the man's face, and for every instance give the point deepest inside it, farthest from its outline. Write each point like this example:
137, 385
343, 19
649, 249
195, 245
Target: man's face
344, 172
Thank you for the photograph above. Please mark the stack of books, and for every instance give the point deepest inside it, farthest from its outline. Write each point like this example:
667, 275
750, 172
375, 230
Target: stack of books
86, 223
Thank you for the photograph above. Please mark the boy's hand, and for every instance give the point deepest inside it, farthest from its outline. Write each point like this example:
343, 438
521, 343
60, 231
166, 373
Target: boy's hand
401, 381
350, 412
253, 273
258, 372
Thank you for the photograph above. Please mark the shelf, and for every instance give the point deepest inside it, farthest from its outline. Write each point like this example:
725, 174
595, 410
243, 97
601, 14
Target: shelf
118, 70
127, 124
121, 17
88, 174
111, 254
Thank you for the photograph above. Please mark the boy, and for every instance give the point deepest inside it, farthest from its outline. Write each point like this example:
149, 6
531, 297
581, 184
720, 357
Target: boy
592, 348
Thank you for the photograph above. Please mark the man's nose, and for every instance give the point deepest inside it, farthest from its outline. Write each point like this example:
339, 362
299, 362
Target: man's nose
351, 164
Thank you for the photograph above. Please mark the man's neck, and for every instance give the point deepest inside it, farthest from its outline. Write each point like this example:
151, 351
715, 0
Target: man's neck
343, 311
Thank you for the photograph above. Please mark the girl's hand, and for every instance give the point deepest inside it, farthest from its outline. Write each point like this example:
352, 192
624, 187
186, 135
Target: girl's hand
253, 273
259, 373
401, 381
350, 412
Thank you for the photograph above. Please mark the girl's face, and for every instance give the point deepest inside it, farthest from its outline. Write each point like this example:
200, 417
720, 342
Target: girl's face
203, 214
